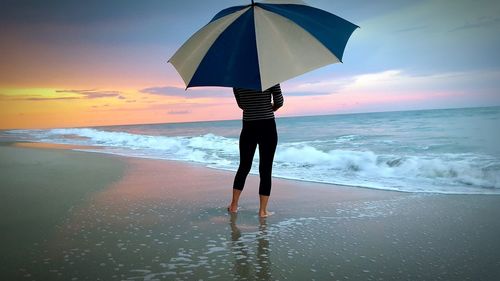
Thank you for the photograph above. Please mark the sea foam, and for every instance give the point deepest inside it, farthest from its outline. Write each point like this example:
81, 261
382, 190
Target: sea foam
467, 173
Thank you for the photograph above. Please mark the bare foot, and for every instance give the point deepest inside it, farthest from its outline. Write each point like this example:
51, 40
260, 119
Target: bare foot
232, 209
265, 214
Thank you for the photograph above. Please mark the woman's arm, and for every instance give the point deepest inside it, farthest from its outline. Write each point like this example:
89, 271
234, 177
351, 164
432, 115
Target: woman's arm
277, 97
237, 97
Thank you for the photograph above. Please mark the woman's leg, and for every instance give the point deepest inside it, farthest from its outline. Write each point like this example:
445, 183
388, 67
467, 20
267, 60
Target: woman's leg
248, 145
233, 207
263, 212
267, 147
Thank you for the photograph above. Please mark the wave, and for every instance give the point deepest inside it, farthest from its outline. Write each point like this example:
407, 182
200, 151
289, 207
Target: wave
308, 161
442, 173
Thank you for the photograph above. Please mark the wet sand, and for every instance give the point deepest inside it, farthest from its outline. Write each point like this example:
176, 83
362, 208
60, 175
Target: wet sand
70, 215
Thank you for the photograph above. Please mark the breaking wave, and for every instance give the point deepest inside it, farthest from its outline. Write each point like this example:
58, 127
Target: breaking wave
459, 173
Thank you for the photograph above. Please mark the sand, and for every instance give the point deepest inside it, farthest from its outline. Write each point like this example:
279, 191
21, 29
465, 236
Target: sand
71, 215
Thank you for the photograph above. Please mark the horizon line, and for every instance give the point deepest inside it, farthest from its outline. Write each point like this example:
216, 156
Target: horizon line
282, 117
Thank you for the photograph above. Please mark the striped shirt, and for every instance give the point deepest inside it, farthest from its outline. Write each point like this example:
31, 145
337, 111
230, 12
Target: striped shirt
257, 105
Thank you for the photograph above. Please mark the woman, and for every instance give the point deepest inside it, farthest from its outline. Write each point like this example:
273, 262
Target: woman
259, 128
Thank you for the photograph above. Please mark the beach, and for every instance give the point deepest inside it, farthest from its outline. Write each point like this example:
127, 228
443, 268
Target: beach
73, 215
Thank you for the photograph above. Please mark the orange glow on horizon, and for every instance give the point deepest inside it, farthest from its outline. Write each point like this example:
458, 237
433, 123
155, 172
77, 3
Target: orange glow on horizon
51, 108
38, 108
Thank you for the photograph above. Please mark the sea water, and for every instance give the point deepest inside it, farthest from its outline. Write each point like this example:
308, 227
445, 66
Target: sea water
440, 151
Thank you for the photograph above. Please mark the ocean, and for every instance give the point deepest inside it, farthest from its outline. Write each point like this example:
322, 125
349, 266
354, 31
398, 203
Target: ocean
453, 151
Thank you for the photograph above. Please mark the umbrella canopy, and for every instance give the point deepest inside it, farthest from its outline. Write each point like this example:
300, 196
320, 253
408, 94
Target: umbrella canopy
262, 44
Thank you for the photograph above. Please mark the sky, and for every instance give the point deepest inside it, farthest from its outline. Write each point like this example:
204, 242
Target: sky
91, 63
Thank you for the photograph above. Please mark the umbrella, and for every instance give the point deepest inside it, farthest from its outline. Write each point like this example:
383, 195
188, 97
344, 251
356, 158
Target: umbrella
262, 44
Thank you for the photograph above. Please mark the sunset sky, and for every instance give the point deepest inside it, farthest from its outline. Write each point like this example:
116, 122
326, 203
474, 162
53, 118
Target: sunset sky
87, 63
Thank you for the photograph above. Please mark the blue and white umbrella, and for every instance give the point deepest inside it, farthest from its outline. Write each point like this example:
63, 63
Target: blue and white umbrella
262, 44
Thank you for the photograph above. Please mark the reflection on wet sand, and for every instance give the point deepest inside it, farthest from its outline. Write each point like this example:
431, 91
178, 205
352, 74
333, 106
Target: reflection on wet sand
263, 259
243, 255
164, 221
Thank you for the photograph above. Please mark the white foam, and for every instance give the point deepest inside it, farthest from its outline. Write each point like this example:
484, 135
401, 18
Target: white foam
444, 173
441, 173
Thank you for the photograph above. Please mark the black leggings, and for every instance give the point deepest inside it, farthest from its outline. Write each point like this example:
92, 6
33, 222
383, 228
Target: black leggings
263, 133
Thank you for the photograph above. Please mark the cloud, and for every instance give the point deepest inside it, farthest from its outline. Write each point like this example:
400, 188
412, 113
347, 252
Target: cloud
178, 112
377, 78
175, 108
165, 91
60, 95
99, 106
318, 88
305, 93
478, 23
32, 98
191, 93
93, 94
397, 89
413, 28
397, 82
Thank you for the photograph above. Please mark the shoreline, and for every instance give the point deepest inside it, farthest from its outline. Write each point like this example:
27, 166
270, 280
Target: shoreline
95, 149
81, 149
124, 218
182, 164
